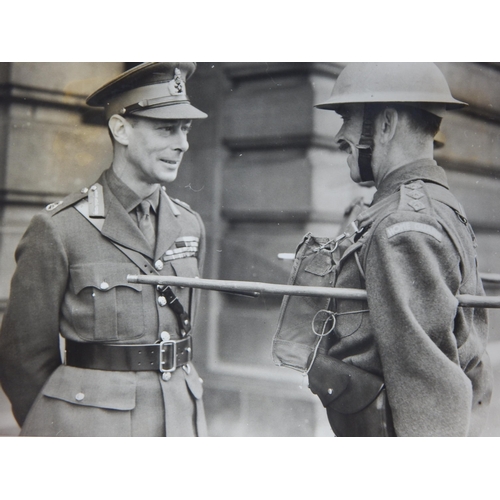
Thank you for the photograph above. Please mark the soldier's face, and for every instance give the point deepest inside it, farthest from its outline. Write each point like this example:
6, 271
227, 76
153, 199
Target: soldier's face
156, 147
349, 135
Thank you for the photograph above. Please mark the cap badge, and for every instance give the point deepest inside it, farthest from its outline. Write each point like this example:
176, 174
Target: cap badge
177, 85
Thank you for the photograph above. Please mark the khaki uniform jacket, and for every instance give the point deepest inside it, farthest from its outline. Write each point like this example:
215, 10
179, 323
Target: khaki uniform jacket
72, 280
414, 258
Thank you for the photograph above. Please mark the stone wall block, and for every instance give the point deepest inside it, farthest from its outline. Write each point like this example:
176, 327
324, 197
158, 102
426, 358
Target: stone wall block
267, 186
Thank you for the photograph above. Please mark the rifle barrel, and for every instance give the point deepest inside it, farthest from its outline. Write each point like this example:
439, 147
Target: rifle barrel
490, 277
255, 288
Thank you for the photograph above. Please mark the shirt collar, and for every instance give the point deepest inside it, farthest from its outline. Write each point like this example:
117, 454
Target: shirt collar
154, 199
426, 170
128, 198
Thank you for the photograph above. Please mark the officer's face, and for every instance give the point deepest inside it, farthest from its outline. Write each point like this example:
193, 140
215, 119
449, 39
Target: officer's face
156, 147
349, 135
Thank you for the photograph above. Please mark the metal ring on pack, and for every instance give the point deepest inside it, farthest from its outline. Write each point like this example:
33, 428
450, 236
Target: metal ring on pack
329, 314
340, 238
323, 247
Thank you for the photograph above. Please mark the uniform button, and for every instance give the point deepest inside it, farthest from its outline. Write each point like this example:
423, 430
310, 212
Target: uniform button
93, 188
84, 191
330, 391
166, 376
104, 285
159, 265
165, 336
162, 301
79, 396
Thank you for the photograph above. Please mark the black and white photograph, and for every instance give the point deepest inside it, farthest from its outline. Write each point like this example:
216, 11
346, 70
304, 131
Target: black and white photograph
250, 249
285, 258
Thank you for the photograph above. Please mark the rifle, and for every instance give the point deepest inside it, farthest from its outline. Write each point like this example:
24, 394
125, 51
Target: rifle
255, 289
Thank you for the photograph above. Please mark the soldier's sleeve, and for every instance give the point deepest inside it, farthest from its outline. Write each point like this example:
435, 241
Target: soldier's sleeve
29, 337
412, 277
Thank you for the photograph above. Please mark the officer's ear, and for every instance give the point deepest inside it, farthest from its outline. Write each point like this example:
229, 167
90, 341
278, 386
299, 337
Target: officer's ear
388, 121
119, 128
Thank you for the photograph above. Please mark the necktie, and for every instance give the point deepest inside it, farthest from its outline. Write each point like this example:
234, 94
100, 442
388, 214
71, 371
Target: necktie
145, 223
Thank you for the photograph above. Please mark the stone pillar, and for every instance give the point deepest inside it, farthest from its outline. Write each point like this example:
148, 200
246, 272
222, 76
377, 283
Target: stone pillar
281, 177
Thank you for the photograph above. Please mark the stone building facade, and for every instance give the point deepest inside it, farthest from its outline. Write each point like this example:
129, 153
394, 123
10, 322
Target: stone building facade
262, 170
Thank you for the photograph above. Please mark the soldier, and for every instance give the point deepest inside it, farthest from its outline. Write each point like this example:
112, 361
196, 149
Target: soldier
408, 362
127, 367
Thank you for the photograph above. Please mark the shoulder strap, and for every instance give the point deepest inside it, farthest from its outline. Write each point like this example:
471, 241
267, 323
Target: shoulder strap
70, 200
445, 196
180, 203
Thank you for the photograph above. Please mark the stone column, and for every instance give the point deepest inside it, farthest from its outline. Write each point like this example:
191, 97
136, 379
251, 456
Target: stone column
282, 176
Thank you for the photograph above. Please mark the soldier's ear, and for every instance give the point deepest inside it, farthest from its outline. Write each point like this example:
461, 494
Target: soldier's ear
388, 121
119, 129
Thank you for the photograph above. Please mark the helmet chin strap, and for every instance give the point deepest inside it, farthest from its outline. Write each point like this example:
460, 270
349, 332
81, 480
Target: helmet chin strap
365, 146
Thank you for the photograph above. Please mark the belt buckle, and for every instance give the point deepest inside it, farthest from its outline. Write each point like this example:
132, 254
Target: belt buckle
174, 356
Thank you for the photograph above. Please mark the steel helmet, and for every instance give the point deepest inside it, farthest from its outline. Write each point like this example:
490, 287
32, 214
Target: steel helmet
419, 83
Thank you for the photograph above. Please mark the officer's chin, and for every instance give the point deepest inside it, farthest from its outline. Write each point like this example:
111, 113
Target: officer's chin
169, 177
367, 184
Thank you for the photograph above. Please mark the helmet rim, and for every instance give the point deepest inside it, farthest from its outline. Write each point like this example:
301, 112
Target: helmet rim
421, 84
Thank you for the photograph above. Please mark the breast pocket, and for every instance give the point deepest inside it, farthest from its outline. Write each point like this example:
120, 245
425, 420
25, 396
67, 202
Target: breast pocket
105, 307
186, 268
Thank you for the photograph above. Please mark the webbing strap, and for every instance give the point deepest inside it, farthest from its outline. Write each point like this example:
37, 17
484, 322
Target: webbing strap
366, 217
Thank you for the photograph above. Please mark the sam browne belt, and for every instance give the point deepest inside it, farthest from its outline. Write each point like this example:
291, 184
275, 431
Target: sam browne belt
165, 356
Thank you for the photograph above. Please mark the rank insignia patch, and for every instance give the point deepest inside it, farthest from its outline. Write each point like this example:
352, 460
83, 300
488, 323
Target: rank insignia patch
416, 205
414, 185
416, 195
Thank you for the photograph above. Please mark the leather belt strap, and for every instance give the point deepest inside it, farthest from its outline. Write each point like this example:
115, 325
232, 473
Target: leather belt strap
164, 356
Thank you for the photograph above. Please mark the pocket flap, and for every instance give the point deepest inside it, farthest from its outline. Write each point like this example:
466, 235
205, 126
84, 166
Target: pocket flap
320, 263
102, 275
111, 390
186, 268
342, 386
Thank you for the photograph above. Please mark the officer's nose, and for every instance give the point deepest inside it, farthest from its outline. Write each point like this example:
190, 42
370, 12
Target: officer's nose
181, 142
339, 138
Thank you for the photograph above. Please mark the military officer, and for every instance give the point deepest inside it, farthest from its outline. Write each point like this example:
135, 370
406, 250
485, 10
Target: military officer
409, 361
126, 369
